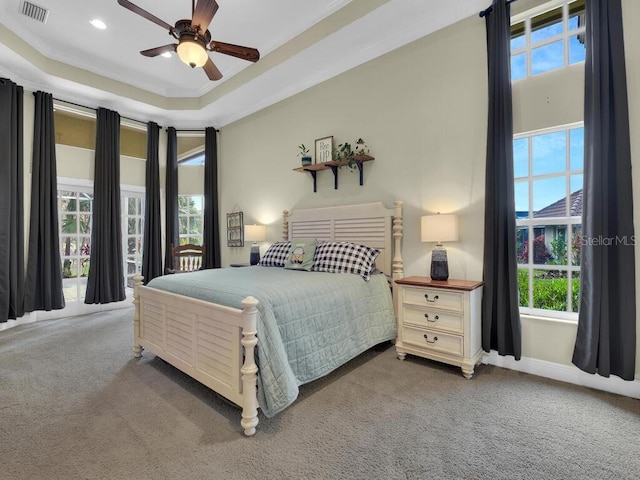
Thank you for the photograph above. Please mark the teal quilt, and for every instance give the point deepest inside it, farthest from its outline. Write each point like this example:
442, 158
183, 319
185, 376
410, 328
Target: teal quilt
310, 323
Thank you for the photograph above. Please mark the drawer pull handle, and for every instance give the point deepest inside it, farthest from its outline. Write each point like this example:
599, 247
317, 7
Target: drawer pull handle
426, 337
436, 318
426, 296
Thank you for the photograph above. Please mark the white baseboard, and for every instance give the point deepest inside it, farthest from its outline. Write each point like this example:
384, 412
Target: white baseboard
565, 373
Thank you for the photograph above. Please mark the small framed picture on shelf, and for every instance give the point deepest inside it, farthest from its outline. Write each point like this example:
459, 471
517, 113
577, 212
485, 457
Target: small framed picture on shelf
324, 149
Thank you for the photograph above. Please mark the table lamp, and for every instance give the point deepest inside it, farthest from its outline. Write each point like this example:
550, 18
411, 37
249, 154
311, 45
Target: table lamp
439, 228
254, 233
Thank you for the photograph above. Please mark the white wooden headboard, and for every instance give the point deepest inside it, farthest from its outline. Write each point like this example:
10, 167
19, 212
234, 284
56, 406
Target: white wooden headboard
370, 224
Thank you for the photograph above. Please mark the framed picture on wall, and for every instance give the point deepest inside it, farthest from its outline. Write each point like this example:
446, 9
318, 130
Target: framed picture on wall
235, 230
324, 149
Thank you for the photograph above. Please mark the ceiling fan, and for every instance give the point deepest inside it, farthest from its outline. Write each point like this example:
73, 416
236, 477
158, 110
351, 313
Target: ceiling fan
194, 39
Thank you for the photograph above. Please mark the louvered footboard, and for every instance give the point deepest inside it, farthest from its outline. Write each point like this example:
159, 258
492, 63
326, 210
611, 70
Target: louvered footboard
212, 343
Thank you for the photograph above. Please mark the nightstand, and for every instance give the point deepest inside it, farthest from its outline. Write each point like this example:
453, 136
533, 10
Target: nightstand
440, 320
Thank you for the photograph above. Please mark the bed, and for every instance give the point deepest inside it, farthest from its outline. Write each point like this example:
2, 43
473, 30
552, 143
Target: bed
255, 334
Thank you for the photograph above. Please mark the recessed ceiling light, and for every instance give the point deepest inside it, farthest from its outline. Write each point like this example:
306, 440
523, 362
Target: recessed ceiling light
166, 54
99, 24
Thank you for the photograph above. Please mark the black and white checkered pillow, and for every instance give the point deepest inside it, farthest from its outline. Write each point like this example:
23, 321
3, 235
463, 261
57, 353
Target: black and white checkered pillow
345, 257
276, 255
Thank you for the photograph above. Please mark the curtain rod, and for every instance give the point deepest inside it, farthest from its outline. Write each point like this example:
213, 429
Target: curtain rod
192, 130
95, 109
487, 11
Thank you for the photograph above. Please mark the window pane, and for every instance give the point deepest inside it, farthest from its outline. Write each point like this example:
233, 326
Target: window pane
131, 226
84, 223
575, 292
546, 25
522, 236
577, 51
131, 206
575, 201
549, 197
576, 244
521, 190
548, 153
576, 14
521, 157
576, 145
85, 248
556, 237
518, 66
550, 290
523, 287
85, 205
548, 57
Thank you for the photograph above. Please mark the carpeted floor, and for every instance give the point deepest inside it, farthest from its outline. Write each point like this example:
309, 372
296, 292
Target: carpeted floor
74, 404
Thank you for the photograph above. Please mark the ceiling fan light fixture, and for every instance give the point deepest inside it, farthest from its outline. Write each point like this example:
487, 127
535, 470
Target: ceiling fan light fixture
192, 52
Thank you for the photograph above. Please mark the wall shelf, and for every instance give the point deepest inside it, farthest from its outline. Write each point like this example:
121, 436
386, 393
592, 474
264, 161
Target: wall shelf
333, 166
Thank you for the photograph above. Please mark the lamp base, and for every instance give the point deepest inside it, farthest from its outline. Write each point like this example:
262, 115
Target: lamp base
439, 264
254, 256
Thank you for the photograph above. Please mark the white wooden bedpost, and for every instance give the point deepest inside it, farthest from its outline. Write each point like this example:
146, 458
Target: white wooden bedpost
285, 225
137, 348
249, 368
397, 266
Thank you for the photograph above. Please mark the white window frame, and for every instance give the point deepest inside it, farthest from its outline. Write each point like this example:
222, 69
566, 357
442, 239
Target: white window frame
73, 185
531, 223
565, 35
126, 192
189, 216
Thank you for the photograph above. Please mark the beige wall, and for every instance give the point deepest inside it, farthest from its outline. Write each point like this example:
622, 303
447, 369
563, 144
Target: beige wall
422, 111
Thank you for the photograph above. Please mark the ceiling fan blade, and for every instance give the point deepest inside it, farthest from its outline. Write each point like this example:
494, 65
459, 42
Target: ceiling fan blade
154, 52
212, 71
143, 13
245, 53
203, 14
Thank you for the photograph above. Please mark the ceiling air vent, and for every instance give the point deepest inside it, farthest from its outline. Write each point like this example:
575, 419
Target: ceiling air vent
34, 11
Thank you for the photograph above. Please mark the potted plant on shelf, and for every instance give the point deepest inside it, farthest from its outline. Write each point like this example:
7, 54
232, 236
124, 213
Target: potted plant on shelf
348, 156
304, 155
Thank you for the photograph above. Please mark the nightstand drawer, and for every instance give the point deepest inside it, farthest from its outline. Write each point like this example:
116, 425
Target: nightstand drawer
431, 297
431, 340
431, 318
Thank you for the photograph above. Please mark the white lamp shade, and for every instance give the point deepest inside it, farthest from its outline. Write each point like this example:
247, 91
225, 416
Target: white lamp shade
439, 228
192, 53
255, 233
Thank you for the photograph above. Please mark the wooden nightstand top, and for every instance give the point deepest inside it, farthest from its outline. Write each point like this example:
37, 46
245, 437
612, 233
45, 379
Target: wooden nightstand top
452, 284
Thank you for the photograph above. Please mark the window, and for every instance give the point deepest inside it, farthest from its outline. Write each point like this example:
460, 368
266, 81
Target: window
547, 40
133, 234
74, 213
548, 198
190, 218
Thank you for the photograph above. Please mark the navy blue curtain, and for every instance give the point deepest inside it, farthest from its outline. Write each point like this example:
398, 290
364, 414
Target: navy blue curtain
43, 285
171, 201
501, 328
11, 201
211, 230
152, 242
606, 339
105, 283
